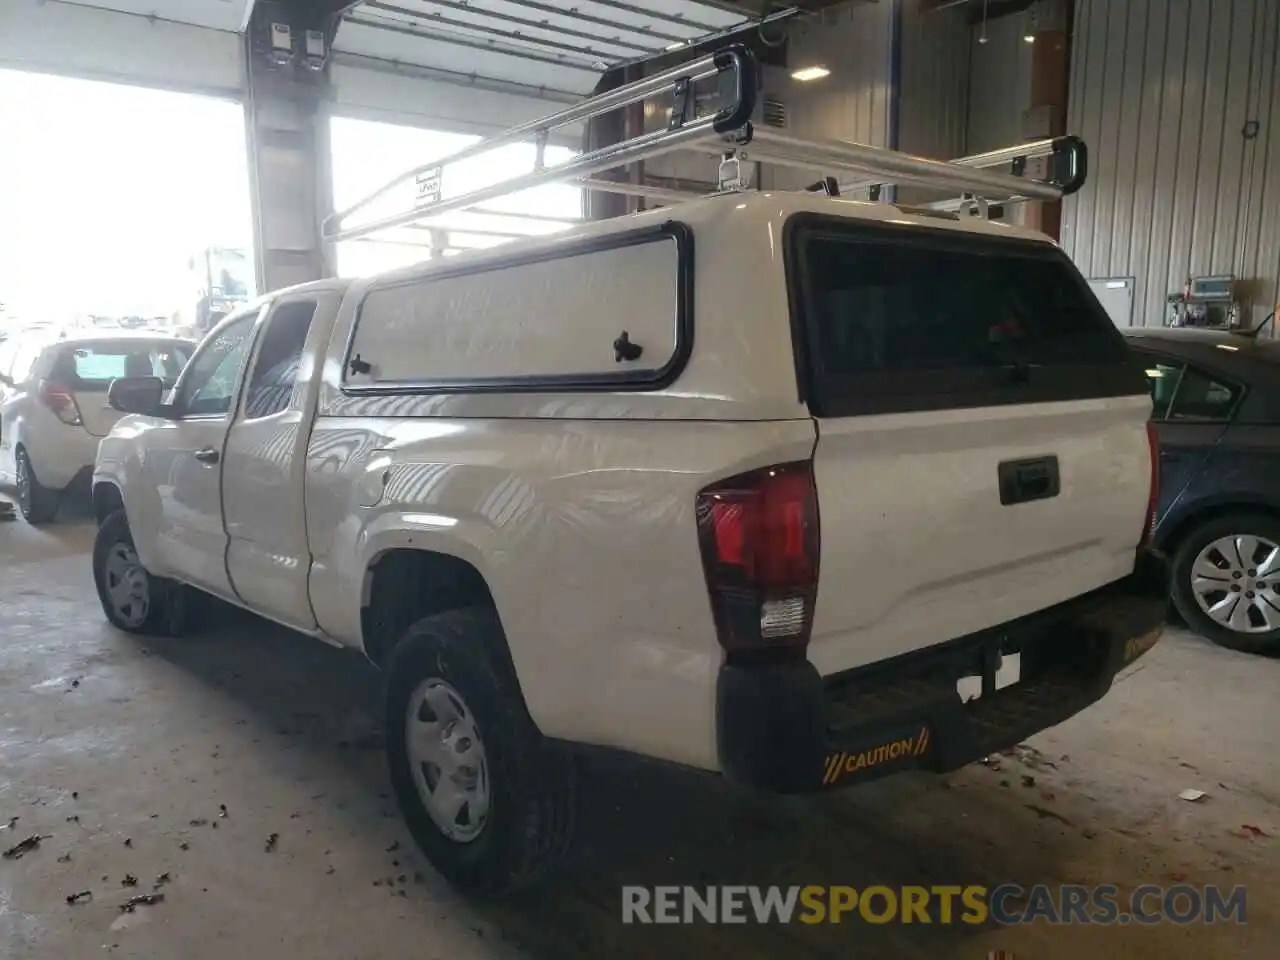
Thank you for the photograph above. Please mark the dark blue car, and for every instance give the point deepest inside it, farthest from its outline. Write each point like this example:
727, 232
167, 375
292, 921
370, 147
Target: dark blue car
1217, 417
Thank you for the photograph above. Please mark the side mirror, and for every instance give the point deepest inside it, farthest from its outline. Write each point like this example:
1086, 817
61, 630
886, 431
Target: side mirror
143, 395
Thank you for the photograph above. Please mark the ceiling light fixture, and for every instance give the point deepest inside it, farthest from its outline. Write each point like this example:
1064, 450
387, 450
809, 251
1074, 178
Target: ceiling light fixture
982, 35
806, 74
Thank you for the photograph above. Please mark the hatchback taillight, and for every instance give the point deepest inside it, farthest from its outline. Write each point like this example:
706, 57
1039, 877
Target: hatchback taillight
760, 544
61, 401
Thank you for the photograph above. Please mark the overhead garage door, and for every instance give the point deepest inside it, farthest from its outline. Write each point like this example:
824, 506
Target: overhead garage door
367, 154
121, 188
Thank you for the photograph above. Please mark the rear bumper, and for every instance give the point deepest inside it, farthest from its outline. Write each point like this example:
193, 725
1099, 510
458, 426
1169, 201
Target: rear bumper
784, 727
61, 459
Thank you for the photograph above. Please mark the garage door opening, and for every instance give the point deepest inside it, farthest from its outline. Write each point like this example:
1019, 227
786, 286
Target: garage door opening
366, 154
122, 207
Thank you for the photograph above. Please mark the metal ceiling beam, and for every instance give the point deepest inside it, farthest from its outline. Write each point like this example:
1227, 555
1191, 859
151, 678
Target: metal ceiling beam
748, 33
591, 18
651, 15
514, 36
363, 61
509, 18
558, 61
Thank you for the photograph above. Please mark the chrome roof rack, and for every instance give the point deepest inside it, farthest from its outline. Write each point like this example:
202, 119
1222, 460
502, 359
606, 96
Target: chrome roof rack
728, 132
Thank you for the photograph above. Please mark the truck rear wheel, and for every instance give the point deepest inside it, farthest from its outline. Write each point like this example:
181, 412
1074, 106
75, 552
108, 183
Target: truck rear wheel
488, 800
133, 599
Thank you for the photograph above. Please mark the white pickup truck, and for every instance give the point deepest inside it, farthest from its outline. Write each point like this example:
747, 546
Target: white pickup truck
754, 485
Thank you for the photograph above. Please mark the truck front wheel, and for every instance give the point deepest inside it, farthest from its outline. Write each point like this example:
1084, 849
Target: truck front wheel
487, 798
133, 599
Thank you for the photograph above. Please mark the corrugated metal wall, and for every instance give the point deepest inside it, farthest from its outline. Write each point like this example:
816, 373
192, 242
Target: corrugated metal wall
934, 81
999, 83
1162, 90
853, 42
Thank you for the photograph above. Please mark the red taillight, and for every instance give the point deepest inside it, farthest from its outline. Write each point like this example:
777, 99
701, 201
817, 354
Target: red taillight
759, 537
61, 401
1153, 495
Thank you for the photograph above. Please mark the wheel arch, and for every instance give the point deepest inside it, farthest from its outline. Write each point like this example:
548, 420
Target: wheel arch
403, 584
107, 499
1209, 510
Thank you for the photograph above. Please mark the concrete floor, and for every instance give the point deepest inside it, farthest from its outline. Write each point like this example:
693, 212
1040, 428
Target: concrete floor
125, 752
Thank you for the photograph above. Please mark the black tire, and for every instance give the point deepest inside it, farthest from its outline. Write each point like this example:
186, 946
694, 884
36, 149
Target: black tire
1184, 598
38, 504
166, 612
532, 784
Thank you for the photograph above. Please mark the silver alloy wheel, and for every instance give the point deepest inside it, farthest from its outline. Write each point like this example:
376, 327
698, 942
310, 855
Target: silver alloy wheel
447, 759
126, 583
1236, 582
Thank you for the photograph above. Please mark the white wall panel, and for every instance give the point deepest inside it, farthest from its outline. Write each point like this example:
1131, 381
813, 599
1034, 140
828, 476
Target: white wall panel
101, 44
1162, 90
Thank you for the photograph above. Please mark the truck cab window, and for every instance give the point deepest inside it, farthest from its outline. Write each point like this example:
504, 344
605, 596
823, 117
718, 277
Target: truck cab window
276, 368
210, 383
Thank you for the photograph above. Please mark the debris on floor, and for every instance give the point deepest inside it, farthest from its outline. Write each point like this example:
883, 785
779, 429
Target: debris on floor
141, 900
1247, 831
162, 880
1192, 796
23, 847
1028, 780
10, 825
129, 880
82, 897
1029, 756
271, 842
1045, 812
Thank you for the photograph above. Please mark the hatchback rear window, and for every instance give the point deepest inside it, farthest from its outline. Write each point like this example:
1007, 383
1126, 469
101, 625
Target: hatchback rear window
92, 366
893, 318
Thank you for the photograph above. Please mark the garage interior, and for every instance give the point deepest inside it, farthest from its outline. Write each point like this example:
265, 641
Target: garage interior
244, 766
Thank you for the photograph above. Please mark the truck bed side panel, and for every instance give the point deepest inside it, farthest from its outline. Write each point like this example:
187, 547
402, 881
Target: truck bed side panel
585, 533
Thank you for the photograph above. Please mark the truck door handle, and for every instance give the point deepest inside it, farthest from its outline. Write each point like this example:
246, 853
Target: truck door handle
208, 455
1024, 480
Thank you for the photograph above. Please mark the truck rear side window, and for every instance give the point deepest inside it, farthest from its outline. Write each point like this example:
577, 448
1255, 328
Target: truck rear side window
893, 319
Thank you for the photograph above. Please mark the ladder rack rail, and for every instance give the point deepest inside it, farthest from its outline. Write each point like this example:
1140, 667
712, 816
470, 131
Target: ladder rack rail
730, 133
678, 80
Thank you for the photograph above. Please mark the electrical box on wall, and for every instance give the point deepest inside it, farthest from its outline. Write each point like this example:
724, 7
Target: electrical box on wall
289, 37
